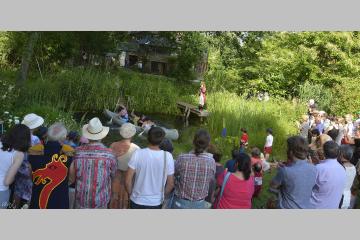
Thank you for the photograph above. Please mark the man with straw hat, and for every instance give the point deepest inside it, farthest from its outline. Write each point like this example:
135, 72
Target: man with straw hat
94, 168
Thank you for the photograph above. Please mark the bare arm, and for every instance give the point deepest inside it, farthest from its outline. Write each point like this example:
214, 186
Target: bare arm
169, 184
72, 173
10, 175
129, 179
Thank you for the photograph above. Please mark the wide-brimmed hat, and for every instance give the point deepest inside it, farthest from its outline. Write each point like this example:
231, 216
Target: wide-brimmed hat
33, 121
127, 130
94, 130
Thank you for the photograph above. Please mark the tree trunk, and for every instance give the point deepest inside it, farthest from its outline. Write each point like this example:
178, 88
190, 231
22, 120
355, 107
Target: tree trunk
26, 58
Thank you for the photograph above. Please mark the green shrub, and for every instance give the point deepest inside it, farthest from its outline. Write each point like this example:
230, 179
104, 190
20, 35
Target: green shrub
50, 114
322, 95
346, 97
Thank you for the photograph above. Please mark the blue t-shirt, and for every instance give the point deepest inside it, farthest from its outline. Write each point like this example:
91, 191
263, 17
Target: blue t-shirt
296, 181
320, 127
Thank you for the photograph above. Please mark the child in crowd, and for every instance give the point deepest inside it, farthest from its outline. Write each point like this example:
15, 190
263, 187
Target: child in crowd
41, 133
230, 164
73, 139
256, 164
268, 143
244, 140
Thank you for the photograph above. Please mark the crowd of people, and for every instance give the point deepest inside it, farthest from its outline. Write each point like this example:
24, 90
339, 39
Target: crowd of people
51, 168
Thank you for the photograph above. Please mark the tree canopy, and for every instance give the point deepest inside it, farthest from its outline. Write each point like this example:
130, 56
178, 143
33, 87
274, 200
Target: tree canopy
285, 64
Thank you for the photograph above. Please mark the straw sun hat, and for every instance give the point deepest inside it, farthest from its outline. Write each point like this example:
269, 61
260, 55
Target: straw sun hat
33, 121
94, 130
127, 130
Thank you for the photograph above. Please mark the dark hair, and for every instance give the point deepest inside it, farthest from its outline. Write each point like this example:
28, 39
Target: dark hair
298, 146
257, 167
315, 131
331, 149
201, 141
167, 145
234, 153
269, 130
333, 133
357, 142
255, 152
156, 135
41, 132
17, 138
243, 130
217, 157
215, 152
346, 151
244, 164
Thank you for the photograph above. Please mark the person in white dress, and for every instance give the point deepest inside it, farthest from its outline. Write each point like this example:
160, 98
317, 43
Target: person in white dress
346, 153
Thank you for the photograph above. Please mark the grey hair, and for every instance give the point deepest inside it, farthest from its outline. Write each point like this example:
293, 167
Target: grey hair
57, 132
346, 151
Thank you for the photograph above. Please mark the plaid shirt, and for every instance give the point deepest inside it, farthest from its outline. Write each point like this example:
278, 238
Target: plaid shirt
194, 174
95, 166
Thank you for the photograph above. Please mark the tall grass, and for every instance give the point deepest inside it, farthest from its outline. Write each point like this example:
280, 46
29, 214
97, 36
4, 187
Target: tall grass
89, 89
234, 112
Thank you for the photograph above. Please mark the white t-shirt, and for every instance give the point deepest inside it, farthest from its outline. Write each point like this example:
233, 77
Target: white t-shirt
269, 141
7, 159
149, 169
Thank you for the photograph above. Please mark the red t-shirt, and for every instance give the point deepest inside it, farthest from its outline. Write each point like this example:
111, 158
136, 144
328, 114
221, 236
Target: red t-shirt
237, 193
244, 138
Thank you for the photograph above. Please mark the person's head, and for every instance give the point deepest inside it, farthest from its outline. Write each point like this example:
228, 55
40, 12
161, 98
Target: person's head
215, 152
304, 118
269, 131
331, 150
57, 132
243, 164
243, 130
348, 118
33, 121
297, 148
333, 133
357, 142
315, 132
94, 131
318, 119
346, 152
311, 102
201, 141
166, 145
127, 130
255, 152
257, 167
155, 136
73, 136
234, 153
41, 132
17, 138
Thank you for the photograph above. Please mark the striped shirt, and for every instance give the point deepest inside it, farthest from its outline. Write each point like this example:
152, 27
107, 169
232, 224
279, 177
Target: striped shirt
95, 165
193, 175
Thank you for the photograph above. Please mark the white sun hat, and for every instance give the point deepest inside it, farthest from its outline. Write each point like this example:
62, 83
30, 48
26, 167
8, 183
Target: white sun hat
94, 130
33, 121
127, 130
